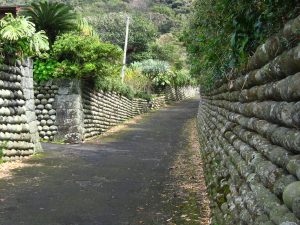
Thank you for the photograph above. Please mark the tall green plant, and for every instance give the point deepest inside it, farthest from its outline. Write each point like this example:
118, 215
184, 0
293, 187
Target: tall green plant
159, 72
111, 28
52, 17
19, 39
85, 56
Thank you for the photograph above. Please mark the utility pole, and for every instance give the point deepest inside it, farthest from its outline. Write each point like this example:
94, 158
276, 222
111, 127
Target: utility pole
125, 49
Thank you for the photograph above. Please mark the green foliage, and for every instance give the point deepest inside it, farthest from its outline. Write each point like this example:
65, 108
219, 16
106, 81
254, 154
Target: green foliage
163, 9
19, 39
44, 69
85, 28
85, 56
157, 71
144, 95
3, 145
168, 48
52, 17
162, 75
113, 84
164, 18
137, 81
111, 28
182, 78
224, 33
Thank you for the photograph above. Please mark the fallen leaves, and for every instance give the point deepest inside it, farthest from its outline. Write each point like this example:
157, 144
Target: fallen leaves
187, 189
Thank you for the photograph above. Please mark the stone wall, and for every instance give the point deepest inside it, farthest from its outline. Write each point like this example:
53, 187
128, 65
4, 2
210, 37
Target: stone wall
250, 139
18, 128
158, 102
105, 110
72, 111
45, 109
178, 94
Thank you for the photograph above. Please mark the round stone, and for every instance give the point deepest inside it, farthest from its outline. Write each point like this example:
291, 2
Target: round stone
50, 122
40, 96
44, 101
45, 112
46, 128
40, 117
40, 107
50, 100
53, 128
52, 112
291, 193
43, 122
48, 106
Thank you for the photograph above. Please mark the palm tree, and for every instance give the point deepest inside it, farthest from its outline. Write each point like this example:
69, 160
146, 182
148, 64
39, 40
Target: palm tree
52, 17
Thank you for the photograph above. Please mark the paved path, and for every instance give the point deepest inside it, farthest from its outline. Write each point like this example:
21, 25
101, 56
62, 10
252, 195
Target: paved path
118, 181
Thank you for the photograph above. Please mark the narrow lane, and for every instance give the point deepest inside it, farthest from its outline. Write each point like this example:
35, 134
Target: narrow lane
118, 181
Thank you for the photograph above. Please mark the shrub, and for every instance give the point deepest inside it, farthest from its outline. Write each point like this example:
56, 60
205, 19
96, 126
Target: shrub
19, 39
137, 81
223, 33
182, 78
85, 56
159, 72
112, 28
44, 69
168, 48
110, 84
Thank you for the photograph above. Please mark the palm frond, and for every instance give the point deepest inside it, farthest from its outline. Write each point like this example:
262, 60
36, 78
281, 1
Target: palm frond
52, 17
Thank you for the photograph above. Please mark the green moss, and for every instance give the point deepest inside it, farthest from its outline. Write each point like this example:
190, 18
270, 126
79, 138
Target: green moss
186, 210
39, 155
2, 147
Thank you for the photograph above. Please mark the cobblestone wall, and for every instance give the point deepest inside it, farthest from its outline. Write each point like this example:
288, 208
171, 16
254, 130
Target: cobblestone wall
18, 128
249, 132
105, 110
178, 94
45, 109
72, 111
158, 102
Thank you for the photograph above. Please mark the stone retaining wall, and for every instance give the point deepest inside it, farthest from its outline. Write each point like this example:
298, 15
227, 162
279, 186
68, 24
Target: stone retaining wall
72, 111
105, 110
249, 132
18, 128
45, 109
158, 102
180, 93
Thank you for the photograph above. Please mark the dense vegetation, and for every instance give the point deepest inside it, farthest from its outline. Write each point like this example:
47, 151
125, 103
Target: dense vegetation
19, 38
222, 34
219, 35
86, 38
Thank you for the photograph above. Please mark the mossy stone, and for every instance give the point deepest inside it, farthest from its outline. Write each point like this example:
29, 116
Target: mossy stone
291, 192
